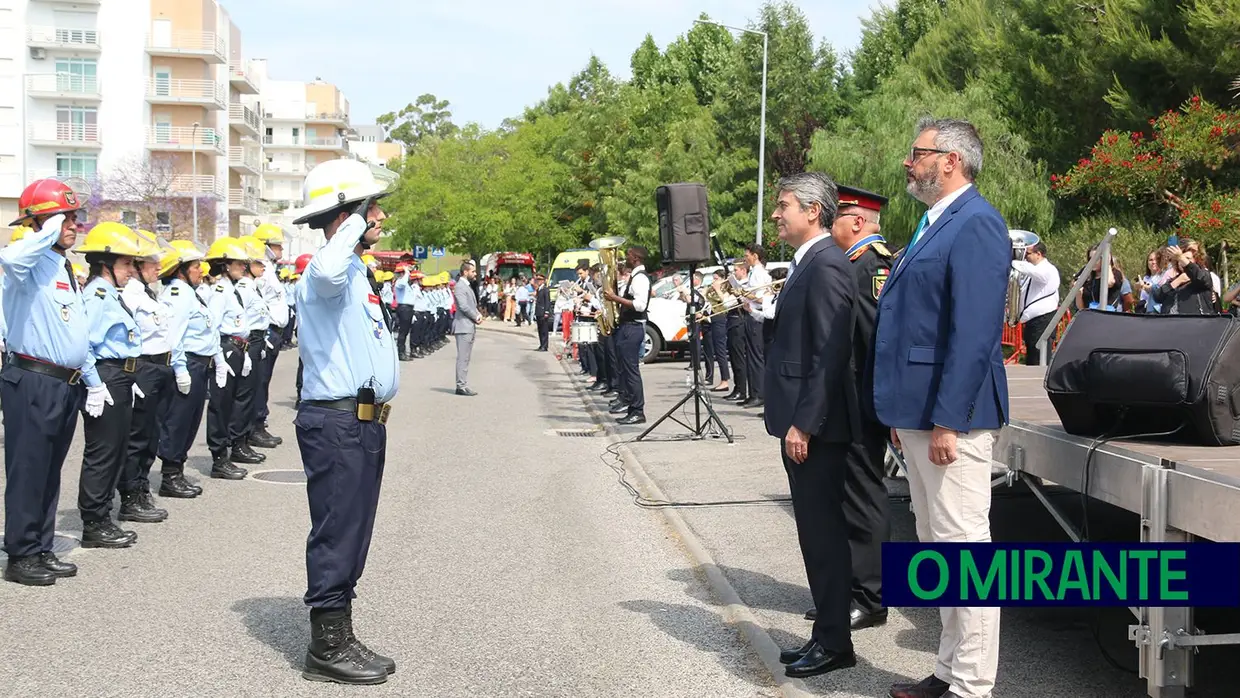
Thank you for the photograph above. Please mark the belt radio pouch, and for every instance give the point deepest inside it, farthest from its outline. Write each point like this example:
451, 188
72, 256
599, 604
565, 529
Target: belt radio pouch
366, 404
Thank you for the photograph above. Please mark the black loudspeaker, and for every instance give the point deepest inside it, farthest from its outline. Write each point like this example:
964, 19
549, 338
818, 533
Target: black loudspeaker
684, 223
1121, 374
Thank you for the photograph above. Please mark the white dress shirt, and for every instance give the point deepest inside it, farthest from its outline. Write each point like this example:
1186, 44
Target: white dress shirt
804, 248
758, 277
1040, 285
941, 205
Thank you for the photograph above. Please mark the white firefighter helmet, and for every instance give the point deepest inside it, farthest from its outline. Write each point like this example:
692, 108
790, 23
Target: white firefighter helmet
337, 183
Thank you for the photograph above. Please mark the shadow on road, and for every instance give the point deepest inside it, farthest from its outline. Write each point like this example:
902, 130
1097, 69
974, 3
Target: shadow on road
699, 627
281, 623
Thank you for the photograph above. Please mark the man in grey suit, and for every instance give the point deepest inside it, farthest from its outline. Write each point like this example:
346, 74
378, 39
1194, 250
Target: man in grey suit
464, 324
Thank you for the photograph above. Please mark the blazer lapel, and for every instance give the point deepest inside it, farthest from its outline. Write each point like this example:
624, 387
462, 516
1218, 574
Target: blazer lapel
809, 256
927, 236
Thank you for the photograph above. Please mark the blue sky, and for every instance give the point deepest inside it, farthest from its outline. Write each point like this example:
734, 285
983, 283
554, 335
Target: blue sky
489, 58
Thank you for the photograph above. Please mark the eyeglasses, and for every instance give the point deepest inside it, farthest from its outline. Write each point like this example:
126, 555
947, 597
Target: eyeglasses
914, 157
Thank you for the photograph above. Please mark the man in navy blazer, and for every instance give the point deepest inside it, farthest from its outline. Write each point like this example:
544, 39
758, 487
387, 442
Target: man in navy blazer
939, 381
812, 407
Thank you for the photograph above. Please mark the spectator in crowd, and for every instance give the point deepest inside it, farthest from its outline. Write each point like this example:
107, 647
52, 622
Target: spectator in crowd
1156, 267
1119, 291
1190, 287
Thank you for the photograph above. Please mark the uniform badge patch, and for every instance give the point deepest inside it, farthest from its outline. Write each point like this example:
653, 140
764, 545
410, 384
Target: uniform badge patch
132, 337
878, 281
176, 290
378, 329
101, 293
219, 289
64, 313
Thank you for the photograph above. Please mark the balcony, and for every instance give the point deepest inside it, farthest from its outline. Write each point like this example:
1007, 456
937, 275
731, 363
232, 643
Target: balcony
326, 144
240, 80
83, 88
243, 201
284, 170
63, 135
204, 93
244, 119
183, 139
205, 45
274, 142
333, 118
245, 161
191, 185
78, 40
92, 3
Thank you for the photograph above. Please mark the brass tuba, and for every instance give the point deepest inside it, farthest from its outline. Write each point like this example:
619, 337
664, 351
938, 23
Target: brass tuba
607, 247
1022, 240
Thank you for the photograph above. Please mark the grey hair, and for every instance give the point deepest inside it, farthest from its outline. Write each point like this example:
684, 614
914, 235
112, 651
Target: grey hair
959, 137
811, 188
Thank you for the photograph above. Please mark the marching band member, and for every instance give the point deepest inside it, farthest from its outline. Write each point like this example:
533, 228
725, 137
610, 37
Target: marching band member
228, 258
351, 372
195, 330
718, 340
48, 343
737, 351
757, 285
271, 237
159, 371
256, 321
115, 344
631, 335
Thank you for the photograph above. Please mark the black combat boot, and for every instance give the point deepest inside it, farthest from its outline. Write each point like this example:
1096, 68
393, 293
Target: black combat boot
223, 469
242, 453
140, 506
260, 438
388, 664
177, 487
105, 534
31, 572
56, 566
334, 655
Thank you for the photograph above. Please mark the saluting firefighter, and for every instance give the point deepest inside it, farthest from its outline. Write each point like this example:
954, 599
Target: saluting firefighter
115, 339
40, 391
195, 330
228, 259
160, 372
856, 231
271, 237
351, 373
242, 430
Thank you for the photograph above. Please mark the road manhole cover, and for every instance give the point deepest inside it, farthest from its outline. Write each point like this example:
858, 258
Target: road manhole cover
61, 543
576, 432
282, 477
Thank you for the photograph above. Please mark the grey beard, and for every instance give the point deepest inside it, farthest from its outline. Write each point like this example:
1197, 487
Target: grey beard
926, 189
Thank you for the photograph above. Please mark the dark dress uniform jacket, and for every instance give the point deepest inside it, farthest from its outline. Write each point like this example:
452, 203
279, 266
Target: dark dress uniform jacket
871, 267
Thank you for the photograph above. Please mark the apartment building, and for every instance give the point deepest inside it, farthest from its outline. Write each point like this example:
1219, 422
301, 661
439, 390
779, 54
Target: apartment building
369, 145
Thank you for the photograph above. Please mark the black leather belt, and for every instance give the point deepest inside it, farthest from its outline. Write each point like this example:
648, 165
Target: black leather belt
367, 413
164, 359
127, 365
241, 343
71, 376
256, 335
199, 358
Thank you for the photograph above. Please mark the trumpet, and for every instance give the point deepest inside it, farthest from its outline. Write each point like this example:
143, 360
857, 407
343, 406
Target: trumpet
752, 293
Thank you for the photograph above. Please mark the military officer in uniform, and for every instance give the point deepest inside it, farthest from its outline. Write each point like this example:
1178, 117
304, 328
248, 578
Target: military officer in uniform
856, 231
40, 391
351, 373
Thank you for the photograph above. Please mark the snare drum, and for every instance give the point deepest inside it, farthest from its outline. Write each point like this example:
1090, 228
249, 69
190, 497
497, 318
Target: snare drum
589, 332
575, 333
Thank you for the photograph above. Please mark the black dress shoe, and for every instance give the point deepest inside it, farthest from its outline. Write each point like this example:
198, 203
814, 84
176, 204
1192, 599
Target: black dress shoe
105, 534
756, 403
790, 656
598, 388
929, 687
56, 566
744, 402
633, 418
466, 392
610, 392
811, 614
619, 409
28, 571
819, 661
860, 620
736, 397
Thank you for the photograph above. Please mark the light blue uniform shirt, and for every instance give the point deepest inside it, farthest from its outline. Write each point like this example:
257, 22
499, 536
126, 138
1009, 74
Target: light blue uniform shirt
154, 323
385, 294
114, 334
204, 292
193, 327
404, 294
227, 310
345, 343
46, 317
256, 315
290, 291
421, 301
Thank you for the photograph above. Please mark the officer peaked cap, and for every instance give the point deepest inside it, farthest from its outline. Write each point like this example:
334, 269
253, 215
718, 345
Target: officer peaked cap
852, 196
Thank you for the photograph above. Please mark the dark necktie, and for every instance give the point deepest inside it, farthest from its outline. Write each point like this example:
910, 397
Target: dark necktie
72, 279
121, 300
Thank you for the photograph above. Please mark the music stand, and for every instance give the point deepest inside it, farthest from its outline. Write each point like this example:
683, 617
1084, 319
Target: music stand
697, 393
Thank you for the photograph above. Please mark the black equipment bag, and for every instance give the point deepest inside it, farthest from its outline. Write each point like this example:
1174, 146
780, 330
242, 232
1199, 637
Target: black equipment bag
1121, 374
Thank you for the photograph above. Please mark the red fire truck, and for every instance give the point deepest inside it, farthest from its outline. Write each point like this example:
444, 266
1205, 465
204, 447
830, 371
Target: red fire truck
508, 265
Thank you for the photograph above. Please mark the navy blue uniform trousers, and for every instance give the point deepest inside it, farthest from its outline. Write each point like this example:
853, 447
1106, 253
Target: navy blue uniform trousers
222, 402
241, 425
107, 443
158, 383
268, 370
343, 459
40, 416
182, 416
629, 339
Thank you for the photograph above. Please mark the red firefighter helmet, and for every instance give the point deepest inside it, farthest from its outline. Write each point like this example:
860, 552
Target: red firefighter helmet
302, 262
45, 197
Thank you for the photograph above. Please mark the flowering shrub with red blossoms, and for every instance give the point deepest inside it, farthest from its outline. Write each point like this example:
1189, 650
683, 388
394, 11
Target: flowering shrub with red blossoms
1190, 162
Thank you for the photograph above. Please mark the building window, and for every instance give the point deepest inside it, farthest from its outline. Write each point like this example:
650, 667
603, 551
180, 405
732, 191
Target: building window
77, 124
76, 75
129, 218
163, 222
296, 135
76, 165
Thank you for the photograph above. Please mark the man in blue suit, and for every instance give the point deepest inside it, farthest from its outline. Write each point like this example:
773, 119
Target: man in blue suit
939, 381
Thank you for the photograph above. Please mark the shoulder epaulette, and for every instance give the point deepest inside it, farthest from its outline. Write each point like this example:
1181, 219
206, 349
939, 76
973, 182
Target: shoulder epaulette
219, 288
101, 292
882, 249
175, 290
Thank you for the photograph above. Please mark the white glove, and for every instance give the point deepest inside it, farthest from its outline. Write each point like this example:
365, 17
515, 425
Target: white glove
263, 355
247, 366
53, 223
96, 398
184, 382
269, 345
137, 392
222, 370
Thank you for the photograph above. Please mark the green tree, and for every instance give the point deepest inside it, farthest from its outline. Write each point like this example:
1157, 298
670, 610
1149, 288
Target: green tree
424, 118
888, 36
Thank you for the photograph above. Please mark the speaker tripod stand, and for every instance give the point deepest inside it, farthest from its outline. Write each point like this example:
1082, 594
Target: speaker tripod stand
700, 427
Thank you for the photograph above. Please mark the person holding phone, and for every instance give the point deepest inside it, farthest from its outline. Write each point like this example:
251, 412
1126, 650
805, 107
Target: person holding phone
1189, 286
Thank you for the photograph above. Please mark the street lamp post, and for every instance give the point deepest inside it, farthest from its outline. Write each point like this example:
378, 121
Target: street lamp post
193, 187
762, 126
